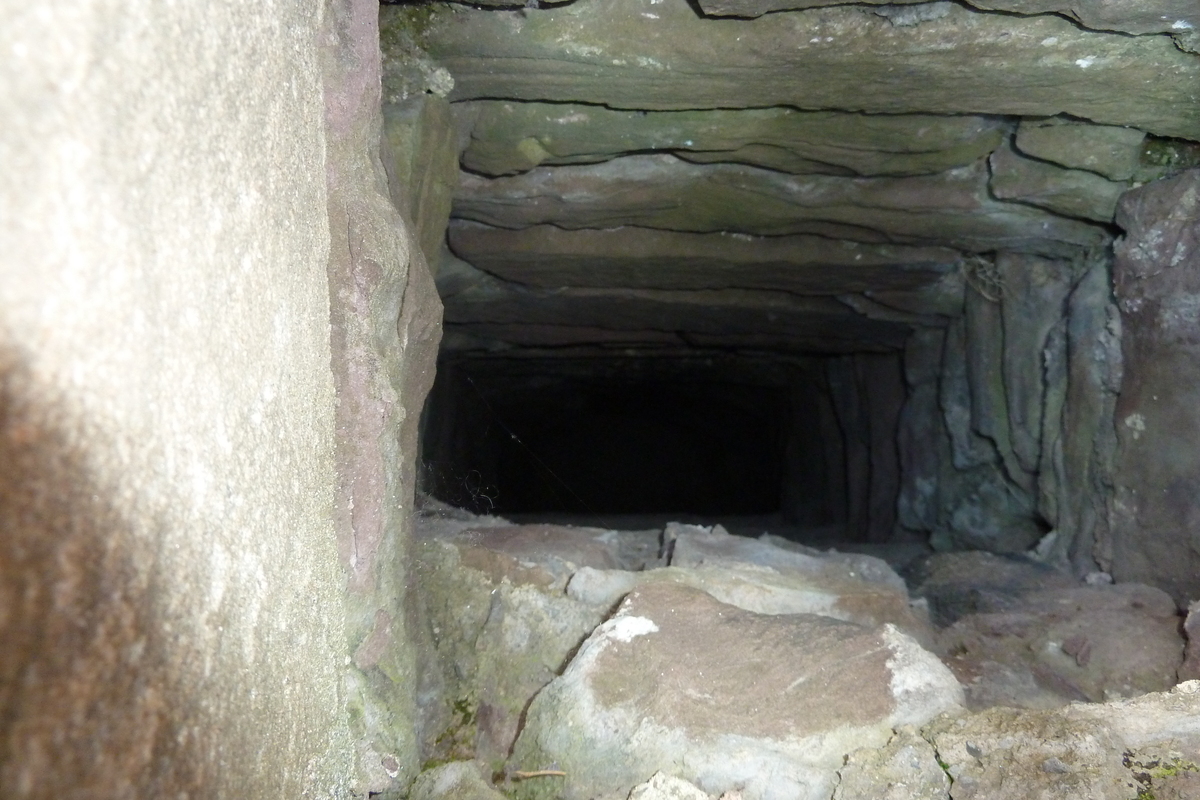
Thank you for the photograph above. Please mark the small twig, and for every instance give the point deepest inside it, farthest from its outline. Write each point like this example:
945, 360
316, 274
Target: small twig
519, 775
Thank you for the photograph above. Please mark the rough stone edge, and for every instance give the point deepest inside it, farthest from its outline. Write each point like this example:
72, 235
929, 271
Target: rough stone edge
385, 331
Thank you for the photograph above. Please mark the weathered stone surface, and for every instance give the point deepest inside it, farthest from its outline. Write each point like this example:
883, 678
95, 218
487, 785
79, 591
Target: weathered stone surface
1086, 643
1119, 750
725, 699
766, 590
697, 546
421, 160
1164, 772
906, 768
638, 54
767, 576
896, 13
987, 498
871, 309
174, 619
748, 9
665, 787
1156, 16
1163, 718
985, 351
983, 509
458, 780
1032, 306
543, 554
1005, 754
502, 627
1104, 149
981, 436
968, 449
922, 441
408, 71
661, 191
943, 297
1190, 669
384, 335
1070, 192
1157, 472
736, 317
866, 392
455, 276
508, 137
1164, 158
1088, 440
956, 584
598, 587
644, 258
881, 385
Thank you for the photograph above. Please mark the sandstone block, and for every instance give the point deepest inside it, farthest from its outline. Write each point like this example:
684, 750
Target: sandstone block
640, 54
726, 699
1104, 149
951, 208
1071, 192
1157, 467
508, 137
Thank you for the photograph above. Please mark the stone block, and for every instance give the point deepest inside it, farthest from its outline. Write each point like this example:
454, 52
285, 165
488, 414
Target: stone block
726, 699
640, 54
1108, 150
1157, 467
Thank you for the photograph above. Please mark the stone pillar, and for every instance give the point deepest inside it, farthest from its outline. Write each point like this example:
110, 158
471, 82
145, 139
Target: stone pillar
1155, 514
385, 319
172, 604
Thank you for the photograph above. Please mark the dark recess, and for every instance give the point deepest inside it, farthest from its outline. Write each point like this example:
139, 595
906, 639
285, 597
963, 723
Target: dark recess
809, 441
619, 446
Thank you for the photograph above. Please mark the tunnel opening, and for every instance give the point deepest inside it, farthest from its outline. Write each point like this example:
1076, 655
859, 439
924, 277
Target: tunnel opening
621, 444
722, 341
919, 280
804, 446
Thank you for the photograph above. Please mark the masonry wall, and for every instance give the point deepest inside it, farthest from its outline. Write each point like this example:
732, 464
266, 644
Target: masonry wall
172, 606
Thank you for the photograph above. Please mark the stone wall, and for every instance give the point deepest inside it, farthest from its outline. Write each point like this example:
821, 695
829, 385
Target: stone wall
1006, 435
189, 193
385, 331
1156, 538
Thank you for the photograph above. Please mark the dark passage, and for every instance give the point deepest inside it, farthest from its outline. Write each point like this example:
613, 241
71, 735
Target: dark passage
804, 439
641, 447
624, 446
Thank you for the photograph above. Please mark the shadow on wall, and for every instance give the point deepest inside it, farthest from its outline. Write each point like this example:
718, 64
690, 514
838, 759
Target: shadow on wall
86, 695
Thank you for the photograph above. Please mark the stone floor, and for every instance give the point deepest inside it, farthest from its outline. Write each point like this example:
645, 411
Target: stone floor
683, 660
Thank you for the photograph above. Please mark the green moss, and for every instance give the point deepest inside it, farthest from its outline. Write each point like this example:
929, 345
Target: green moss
1162, 157
410, 21
356, 712
457, 741
1149, 769
945, 767
1172, 153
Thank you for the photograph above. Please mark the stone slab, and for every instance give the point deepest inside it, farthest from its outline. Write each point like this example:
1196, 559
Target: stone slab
735, 317
641, 54
508, 137
1157, 472
1155, 16
1089, 643
1108, 150
951, 209
725, 699
550, 257
1070, 192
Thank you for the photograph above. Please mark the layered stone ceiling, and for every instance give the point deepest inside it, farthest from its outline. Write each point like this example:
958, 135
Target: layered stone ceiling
659, 177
